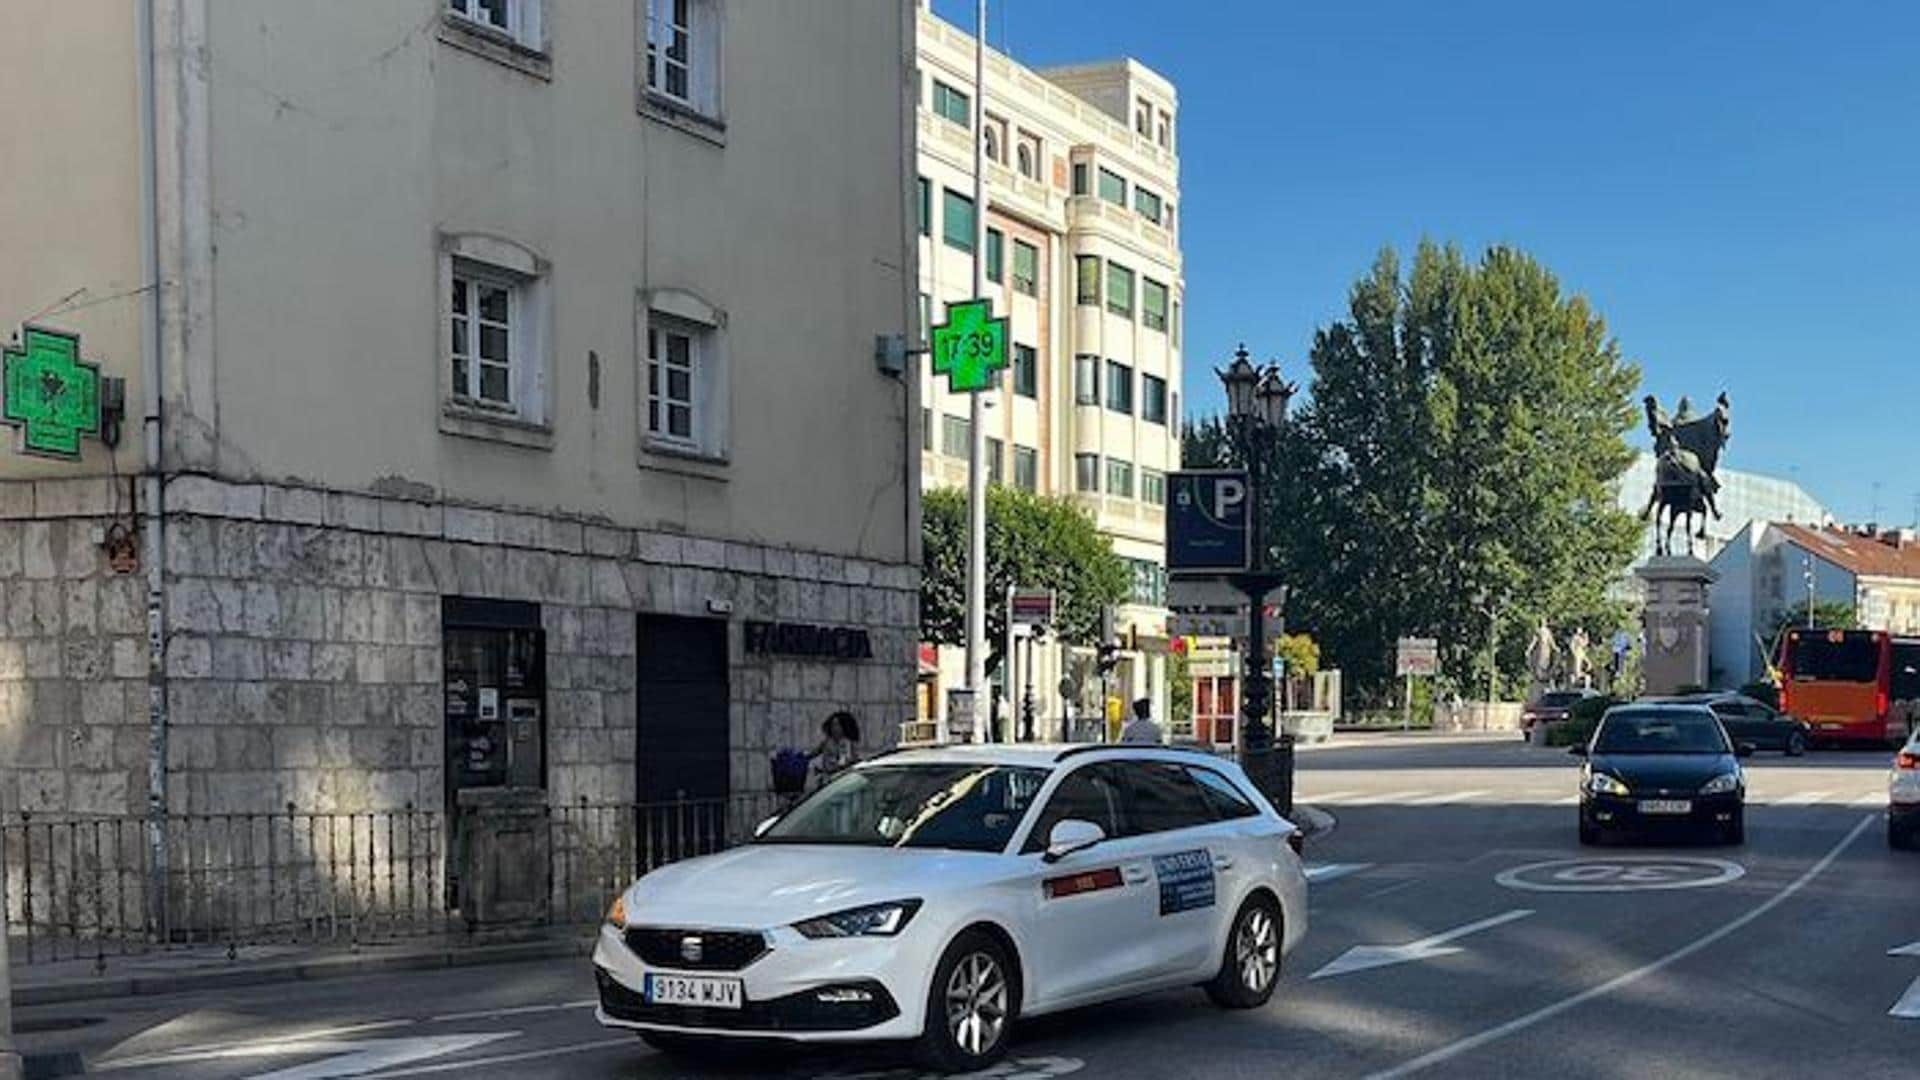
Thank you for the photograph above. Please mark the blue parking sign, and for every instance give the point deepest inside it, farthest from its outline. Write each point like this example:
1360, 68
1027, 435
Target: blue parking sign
1208, 518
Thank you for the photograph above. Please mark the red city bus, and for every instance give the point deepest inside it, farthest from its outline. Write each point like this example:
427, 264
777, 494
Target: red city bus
1841, 683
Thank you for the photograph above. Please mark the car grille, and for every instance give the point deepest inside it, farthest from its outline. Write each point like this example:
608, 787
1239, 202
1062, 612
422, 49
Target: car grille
719, 950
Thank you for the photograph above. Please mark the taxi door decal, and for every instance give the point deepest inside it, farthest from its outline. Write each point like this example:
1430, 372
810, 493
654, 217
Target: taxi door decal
1059, 888
1186, 881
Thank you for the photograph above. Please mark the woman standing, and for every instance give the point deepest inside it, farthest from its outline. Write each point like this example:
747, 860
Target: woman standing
838, 748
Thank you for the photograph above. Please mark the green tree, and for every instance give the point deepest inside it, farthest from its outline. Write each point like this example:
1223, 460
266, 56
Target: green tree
1033, 542
1453, 468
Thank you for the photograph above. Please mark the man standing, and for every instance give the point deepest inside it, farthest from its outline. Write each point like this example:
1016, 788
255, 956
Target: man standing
1141, 729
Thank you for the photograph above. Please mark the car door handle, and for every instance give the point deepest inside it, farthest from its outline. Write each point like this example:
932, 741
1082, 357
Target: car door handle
1223, 862
1134, 873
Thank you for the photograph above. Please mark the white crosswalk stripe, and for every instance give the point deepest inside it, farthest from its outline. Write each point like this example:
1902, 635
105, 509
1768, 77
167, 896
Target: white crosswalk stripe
1869, 801
1326, 872
1330, 797
1802, 798
1444, 799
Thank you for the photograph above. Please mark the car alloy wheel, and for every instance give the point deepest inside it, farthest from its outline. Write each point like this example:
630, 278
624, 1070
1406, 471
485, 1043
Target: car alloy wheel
977, 1002
1256, 950
1796, 745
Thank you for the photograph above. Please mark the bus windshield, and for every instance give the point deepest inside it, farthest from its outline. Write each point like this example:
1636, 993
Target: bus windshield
1854, 658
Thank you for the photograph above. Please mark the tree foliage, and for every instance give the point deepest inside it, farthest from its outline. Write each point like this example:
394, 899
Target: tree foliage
1033, 542
1454, 467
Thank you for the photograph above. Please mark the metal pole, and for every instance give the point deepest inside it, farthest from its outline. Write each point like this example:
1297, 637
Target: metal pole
153, 473
1406, 706
976, 406
1026, 704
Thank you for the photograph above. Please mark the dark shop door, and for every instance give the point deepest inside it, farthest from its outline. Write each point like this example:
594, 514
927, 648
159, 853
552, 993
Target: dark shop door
682, 729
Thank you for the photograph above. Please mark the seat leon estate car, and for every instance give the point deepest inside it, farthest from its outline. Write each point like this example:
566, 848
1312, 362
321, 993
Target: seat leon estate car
942, 895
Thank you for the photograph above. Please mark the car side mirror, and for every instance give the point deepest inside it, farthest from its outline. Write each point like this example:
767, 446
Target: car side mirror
1744, 749
1071, 836
1578, 750
760, 830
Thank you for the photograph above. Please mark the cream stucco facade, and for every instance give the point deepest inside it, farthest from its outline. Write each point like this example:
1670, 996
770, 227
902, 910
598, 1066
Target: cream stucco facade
1083, 191
547, 315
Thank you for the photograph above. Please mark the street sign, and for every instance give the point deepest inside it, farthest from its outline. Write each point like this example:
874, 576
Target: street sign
1416, 656
1032, 608
1209, 516
971, 347
51, 394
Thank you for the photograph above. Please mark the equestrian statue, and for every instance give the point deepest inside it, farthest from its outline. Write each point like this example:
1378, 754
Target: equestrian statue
1686, 452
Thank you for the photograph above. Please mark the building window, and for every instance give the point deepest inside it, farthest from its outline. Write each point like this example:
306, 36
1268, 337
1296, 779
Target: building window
956, 220
517, 19
1086, 380
996, 460
1119, 478
1143, 117
1087, 272
1027, 154
994, 131
1080, 178
1086, 472
1164, 136
679, 384
1113, 188
926, 207
683, 60
956, 435
1147, 204
1153, 399
926, 428
1119, 290
1153, 304
1026, 468
1149, 582
1026, 371
495, 359
483, 330
1026, 268
996, 256
952, 104
1119, 387
1153, 487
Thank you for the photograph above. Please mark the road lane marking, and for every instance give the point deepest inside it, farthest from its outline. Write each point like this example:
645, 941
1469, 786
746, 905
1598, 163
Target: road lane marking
495, 1014
1869, 800
1494, 1034
1908, 1007
1804, 798
1331, 796
1367, 957
338, 1057
1326, 872
216, 1049
1442, 800
1620, 873
505, 1059
1384, 797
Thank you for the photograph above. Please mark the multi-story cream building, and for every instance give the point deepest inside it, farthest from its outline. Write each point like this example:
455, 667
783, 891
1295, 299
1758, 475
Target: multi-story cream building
1083, 253
502, 404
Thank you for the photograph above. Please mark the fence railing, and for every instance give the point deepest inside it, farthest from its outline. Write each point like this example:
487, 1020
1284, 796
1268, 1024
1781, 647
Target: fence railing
103, 887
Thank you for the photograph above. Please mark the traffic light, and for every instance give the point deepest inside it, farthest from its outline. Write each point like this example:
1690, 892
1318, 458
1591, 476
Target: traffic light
1109, 657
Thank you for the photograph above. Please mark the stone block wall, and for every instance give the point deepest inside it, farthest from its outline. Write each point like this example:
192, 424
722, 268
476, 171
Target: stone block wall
303, 645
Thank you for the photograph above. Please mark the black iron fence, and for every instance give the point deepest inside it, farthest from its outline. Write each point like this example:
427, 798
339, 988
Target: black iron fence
105, 887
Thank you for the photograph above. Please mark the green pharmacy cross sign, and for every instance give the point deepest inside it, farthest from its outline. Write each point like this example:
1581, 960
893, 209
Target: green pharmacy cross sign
970, 347
52, 395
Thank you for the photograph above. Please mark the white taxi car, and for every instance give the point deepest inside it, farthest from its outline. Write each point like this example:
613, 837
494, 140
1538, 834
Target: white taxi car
1903, 795
940, 895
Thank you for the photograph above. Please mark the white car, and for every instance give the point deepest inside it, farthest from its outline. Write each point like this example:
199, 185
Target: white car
1903, 795
940, 895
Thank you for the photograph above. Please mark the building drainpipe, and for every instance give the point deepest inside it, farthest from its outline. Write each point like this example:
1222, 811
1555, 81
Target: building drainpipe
152, 474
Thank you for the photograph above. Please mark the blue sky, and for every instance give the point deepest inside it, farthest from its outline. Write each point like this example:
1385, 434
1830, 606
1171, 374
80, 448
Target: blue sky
1734, 185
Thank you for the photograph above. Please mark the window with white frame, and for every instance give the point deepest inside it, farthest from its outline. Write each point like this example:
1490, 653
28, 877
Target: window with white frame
483, 328
995, 132
1120, 478
1027, 155
1086, 472
495, 311
1153, 487
683, 56
517, 19
684, 396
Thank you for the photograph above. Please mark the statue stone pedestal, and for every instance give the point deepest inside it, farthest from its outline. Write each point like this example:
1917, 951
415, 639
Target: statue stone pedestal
1675, 620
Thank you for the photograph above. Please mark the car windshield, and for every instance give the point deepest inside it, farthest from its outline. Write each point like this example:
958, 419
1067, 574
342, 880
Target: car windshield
964, 807
1660, 731
1560, 699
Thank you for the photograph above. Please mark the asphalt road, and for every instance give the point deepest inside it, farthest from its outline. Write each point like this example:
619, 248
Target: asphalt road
1770, 961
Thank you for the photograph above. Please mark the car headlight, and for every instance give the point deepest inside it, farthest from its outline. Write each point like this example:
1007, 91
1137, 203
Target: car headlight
1721, 784
1601, 784
617, 914
874, 920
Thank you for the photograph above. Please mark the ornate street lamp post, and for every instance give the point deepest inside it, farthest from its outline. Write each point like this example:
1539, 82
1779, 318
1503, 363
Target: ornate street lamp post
1256, 408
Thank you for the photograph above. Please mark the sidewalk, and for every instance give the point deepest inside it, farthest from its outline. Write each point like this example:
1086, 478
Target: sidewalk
209, 968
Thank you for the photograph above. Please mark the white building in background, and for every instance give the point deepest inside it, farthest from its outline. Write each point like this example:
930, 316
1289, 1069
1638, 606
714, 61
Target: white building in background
1083, 253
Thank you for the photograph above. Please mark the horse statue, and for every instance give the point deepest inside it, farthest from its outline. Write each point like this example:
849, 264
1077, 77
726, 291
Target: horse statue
1686, 453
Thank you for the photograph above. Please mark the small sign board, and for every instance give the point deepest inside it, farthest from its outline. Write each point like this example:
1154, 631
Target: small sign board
971, 347
1208, 622
1209, 517
1031, 608
961, 714
1416, 656
50, 393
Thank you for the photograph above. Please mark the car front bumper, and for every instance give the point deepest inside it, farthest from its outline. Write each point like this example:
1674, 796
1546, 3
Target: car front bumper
1622, 812
838, 990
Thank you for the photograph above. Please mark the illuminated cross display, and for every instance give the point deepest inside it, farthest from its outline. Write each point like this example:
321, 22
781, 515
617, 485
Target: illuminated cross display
51, 394
970, 348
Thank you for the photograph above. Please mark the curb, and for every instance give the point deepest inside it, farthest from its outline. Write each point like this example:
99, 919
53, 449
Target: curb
72, 990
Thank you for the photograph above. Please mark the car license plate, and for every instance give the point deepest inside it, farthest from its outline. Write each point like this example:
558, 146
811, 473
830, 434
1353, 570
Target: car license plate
1666, 806
702, 991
